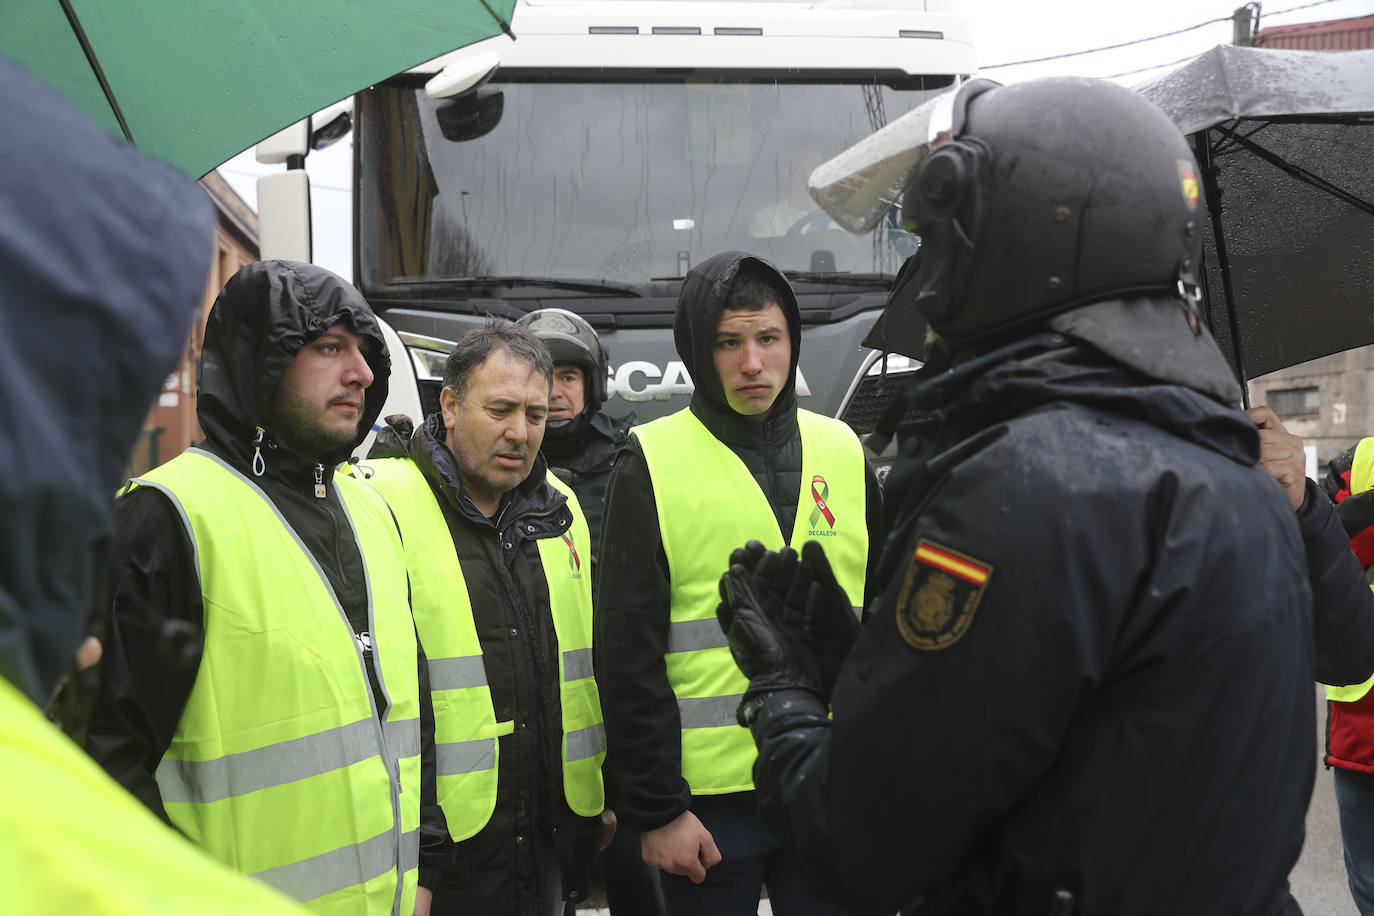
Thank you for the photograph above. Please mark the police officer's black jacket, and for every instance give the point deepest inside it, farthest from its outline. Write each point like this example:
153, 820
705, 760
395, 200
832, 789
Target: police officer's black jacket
644, 759
533, 835
1122, 709
156, 628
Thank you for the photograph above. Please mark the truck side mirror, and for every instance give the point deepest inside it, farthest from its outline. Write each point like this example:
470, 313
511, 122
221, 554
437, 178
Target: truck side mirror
470, 116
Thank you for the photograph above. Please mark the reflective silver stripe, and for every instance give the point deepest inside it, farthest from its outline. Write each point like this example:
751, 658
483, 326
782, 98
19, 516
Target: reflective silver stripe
458, 757
708, 712
403, 738
339, 868
457, 672
586, 742
204, 781
688, 635
410, 851
577, 664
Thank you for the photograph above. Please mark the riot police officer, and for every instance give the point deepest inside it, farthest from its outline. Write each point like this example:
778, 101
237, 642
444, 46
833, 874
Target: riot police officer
1087, 684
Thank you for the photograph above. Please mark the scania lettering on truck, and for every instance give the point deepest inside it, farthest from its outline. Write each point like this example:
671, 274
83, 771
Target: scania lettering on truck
590, 162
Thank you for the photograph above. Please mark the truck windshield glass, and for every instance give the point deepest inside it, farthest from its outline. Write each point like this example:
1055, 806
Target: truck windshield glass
623, 182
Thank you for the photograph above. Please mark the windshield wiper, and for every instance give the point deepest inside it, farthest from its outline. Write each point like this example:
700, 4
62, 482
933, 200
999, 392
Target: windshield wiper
591, 287
842, 279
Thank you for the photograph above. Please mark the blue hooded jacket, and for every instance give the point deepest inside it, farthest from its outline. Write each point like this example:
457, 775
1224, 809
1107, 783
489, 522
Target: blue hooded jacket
104, 254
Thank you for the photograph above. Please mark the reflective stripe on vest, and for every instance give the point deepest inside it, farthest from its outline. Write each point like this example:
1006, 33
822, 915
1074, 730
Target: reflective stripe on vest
465, 726
709, 504
77, 842
280, 765
1361, 479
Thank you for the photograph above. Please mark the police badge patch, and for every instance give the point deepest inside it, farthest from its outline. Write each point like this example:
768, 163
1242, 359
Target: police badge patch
941, 591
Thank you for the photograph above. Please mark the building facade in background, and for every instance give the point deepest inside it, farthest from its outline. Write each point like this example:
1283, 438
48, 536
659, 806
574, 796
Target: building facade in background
171, 424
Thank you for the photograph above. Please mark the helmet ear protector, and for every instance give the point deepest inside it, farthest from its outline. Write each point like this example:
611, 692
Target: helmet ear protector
944, 205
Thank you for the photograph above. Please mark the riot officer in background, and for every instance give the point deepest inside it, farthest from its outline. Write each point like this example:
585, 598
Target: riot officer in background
579, 441
1086, 686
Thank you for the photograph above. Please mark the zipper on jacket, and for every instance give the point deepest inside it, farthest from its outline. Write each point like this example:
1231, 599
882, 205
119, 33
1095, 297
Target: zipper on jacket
320, 492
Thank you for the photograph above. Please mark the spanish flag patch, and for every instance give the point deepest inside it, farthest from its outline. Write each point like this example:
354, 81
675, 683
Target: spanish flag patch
940, 592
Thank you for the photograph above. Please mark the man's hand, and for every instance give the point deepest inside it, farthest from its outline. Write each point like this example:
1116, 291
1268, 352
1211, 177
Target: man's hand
1281, 454
683, 846
831, 627
607, 828
423, 897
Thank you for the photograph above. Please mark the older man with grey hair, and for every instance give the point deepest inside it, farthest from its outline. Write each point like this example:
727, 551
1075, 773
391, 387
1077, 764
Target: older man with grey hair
498, 554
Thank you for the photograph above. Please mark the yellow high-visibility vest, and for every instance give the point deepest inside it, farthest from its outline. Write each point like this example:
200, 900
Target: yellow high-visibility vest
709, 504
72, 840
1361, 479
465, 726
281, 766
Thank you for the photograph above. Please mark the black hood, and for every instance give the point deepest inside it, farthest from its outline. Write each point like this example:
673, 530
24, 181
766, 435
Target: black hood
103, 258
265, 313
699, 304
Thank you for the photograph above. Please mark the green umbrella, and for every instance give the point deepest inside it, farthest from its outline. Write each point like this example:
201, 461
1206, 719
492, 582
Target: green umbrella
195, 82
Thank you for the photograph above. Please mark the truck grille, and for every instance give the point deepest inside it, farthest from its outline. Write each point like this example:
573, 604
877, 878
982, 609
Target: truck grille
870, 399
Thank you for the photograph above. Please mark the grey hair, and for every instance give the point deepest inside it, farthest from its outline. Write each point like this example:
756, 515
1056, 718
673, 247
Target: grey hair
479, 343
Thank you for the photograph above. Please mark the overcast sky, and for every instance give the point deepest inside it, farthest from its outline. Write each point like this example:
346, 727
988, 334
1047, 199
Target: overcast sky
1005, 31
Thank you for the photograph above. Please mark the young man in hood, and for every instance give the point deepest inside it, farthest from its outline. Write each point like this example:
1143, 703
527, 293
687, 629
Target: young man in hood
741, 462
498, 553
1086, 684
261, 687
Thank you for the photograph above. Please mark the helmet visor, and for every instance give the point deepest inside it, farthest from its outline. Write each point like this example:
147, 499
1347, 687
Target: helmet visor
858, 187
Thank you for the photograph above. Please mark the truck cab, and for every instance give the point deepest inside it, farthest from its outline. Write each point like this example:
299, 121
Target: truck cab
590, 162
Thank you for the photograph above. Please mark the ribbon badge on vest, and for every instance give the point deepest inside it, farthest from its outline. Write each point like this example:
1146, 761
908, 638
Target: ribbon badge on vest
574, 561
820, 496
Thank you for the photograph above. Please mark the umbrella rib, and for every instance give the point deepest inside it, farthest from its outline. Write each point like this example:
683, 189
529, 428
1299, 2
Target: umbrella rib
97, 69
1213, 198
505, 26
1298, 171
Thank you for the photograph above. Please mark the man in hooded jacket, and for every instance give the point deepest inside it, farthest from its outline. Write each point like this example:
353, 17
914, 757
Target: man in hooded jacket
261, 687
1086, 686
741, 461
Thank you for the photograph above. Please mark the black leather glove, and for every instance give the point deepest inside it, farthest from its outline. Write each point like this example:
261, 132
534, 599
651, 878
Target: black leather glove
828, 618
767, 637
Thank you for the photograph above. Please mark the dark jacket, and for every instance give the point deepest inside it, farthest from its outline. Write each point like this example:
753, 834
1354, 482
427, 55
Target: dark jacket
582, 457
1122, 710
644, 758
1343, 606
265, 314
103, 258
533, 839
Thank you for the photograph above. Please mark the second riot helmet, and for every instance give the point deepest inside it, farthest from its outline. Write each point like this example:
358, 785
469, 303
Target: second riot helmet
571, 339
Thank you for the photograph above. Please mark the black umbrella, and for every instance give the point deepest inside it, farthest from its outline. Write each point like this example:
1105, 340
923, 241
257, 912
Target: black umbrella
1285, 144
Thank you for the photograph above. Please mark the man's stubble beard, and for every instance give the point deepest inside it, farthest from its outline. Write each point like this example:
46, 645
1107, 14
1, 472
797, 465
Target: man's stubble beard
297, 425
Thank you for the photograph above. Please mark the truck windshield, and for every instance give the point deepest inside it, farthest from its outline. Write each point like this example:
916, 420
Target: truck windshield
624, 182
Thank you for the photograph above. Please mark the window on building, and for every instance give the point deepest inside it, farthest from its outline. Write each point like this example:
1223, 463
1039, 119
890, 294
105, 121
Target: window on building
1296, 402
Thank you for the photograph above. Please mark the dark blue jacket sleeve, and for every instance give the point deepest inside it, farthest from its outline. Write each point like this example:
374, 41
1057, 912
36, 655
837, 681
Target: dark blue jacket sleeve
1343, 606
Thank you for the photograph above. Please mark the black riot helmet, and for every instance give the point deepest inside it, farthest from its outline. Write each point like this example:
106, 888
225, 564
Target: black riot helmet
571, 339
1049, 195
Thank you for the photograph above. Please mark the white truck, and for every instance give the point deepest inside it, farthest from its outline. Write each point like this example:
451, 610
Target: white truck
590, 162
